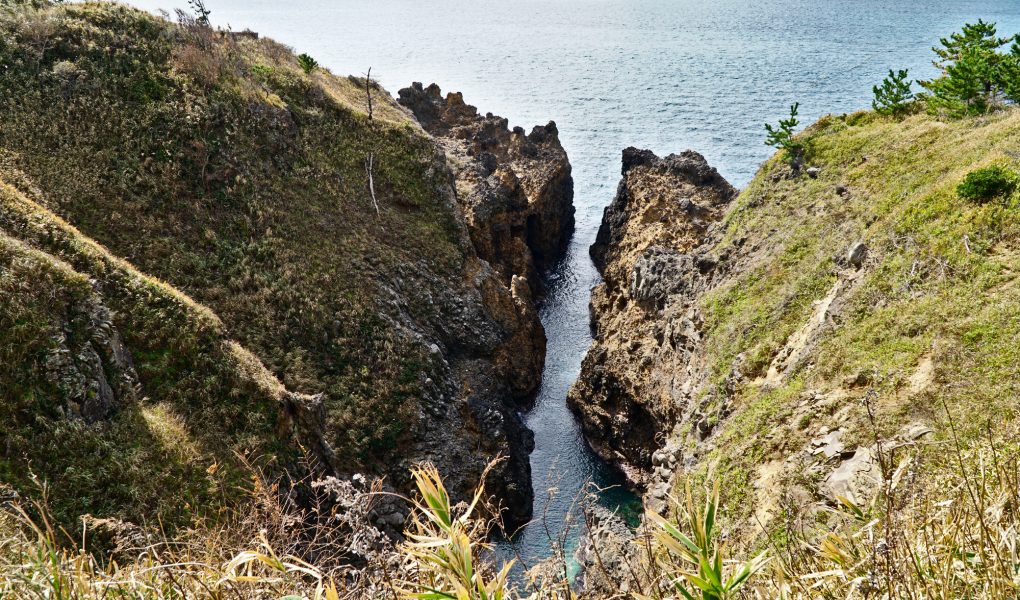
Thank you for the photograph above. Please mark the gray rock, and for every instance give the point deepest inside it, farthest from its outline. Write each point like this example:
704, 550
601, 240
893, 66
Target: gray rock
813, 172
659, 274
856, 478
917, 431
829, 446
857, 254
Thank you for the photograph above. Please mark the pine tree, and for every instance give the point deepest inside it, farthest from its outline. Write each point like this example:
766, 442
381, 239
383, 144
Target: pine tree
981, 37
893, 97
781, 136
975, 74
307, 63
962, 90
1011, 72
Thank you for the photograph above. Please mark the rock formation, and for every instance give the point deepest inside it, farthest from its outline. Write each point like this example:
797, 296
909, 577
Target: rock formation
516, 190
378, 278
635, 382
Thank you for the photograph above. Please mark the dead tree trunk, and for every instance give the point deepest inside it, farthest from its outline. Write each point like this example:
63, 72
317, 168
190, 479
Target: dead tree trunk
368, 91
371, 183
370, 159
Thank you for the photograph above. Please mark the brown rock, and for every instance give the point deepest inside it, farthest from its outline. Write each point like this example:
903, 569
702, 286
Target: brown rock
652, 251
515, 192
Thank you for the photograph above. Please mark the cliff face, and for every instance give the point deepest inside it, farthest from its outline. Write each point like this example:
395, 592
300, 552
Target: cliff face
635, 382
516, 194
516, 189
783, 338
215, 164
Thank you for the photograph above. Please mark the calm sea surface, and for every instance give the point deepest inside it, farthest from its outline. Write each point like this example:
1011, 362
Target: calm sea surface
661, 74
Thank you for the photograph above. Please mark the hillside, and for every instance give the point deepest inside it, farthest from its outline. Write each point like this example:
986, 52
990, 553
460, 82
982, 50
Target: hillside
752, 337
287, 224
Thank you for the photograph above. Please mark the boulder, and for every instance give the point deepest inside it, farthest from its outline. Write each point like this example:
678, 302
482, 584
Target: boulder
856, 255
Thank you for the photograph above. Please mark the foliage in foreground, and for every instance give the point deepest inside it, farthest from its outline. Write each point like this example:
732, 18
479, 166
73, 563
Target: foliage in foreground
906, 542
695, 565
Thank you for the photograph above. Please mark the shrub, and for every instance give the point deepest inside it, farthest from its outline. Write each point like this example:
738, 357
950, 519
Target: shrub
307, 63
893, 96
987, 183
695, 566
781, 136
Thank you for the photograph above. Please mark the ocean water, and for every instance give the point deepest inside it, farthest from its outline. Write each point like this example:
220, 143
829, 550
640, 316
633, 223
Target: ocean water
661, 74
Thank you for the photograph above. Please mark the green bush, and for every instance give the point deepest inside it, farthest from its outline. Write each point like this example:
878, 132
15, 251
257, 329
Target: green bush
987, 183
307, 63
781, 136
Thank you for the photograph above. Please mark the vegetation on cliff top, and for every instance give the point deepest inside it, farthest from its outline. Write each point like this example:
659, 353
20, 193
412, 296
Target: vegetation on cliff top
889, 275
215, 163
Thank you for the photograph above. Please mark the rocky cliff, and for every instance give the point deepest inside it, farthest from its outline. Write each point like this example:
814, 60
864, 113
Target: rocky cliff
788, 338
516, 194
515, 188
401, 314
651, 249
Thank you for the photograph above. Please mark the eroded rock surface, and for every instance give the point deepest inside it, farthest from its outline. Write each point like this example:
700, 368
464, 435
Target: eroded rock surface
515, 188
515, 193
652, 251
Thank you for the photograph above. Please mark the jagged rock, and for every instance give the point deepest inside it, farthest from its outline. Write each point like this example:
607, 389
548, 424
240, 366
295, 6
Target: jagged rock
661, 273
654, 177
603, 553
516, 194
94, 373
518, 188
653, 254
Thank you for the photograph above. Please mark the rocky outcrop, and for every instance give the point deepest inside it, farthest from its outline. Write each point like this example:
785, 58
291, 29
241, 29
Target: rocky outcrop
376, 281
652, 251
515, 188
93, 372
515, 193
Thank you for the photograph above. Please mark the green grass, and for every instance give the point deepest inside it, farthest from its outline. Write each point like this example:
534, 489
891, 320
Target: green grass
222, 168
940, 277
164, 437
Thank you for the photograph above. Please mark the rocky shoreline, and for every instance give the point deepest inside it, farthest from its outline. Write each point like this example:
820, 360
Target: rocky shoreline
637, 381
515, 193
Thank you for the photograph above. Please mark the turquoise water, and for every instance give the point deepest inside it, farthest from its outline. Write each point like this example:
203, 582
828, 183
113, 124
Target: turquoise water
661, 74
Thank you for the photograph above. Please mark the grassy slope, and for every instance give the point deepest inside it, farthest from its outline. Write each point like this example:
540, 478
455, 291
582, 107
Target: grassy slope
170, 437
940, 283
219, 166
